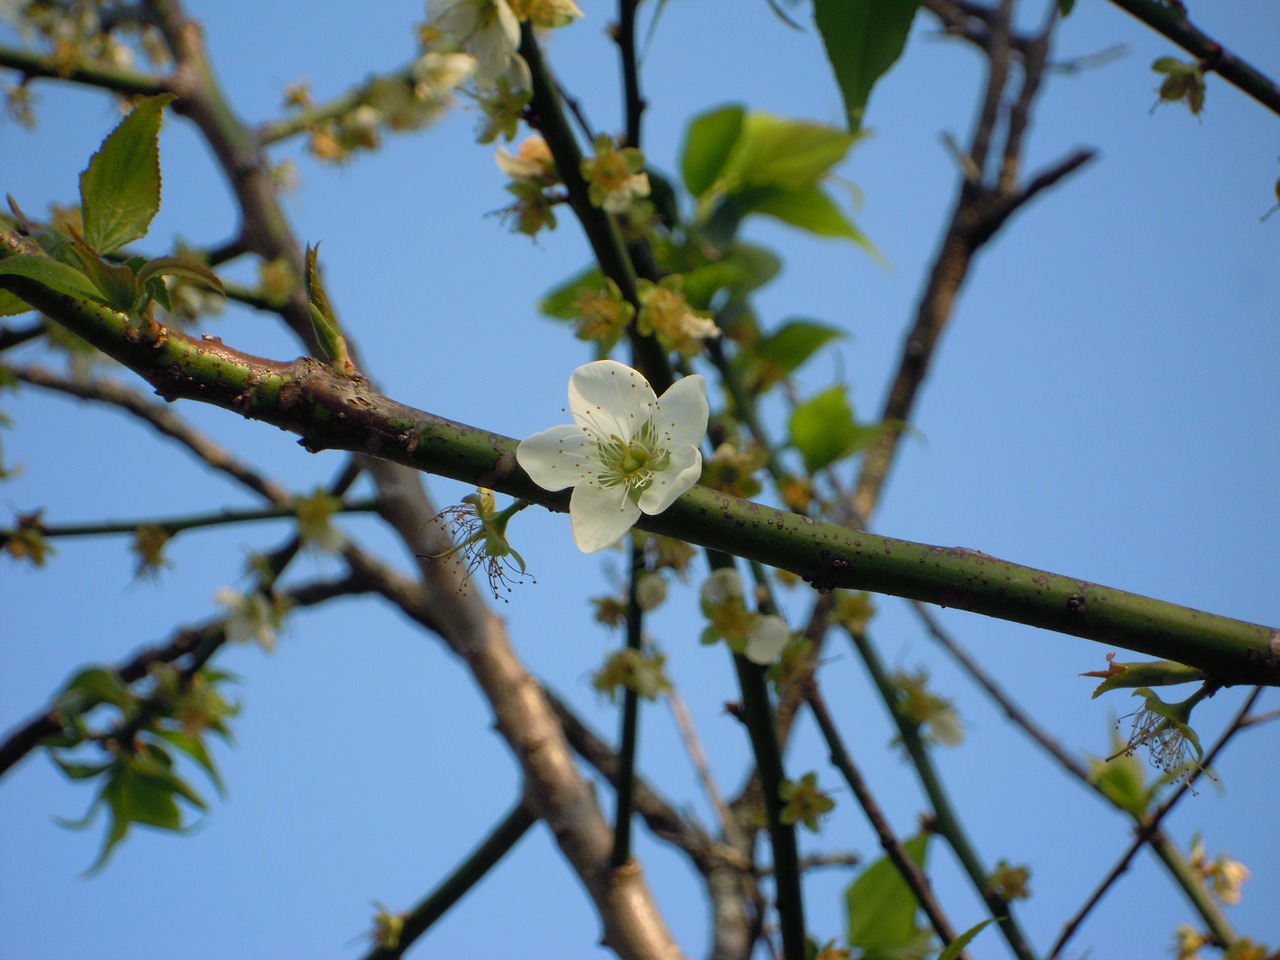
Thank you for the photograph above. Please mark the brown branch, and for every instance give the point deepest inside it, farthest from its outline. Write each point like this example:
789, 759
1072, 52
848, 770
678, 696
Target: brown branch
907, 868
183, 643
162, 417
982, 206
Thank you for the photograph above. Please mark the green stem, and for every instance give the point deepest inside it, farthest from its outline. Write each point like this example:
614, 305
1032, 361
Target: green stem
1171, 21
625, 783
946, 823
758, 713
127, 82
494, 847
1193, 886
331, 410
309, 117
907, 868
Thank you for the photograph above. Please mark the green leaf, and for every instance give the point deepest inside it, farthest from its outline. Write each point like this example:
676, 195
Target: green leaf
956, 947
80, 771
807, 208
1065, 7
788, 347
120, 189
880, 909
822, 428
559, 301
708, 142
183, 268
11, 304
58, 277
116, 283
863, 38
776, 152
1147, 673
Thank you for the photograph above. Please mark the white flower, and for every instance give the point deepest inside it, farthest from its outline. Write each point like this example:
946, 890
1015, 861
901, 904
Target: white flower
486, 29
626, 452
769, 634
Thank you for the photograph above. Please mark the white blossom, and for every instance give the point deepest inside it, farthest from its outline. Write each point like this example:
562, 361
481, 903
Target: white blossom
627, 452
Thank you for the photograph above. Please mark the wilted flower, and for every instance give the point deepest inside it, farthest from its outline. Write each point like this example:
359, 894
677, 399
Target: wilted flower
480, 535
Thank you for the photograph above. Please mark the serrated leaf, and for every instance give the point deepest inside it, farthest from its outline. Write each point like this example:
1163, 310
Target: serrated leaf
788, 347
863, 39
708, 142
55, 276
956, 947
880, 909
120, 189
822, 428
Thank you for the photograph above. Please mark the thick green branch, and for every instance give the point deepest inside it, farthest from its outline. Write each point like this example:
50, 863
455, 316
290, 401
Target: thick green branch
331, 410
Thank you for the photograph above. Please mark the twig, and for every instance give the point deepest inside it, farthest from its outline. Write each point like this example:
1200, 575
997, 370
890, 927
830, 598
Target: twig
907, 868
627, 740
1148, 828
500, 841
184, 642
163, 418
946, 821
193, 521
1171, 21
129, 83
701, 766
632, 101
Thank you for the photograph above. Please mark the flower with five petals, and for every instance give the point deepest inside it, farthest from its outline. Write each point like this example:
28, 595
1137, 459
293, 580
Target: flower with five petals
627, 452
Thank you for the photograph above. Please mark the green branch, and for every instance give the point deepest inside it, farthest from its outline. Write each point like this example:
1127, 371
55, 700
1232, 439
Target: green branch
193, 521
1170, 20
946, 822
331, 410
128, 82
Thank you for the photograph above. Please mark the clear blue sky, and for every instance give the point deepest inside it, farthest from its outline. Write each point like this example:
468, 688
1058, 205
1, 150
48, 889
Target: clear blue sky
1104, 406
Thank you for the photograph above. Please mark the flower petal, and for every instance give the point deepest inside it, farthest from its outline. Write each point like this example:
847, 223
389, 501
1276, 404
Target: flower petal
610, 397
766, 640
683, 471
558, 457
682, 412
600, 515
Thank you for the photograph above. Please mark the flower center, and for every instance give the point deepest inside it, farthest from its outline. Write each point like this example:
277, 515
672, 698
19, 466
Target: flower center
632, 463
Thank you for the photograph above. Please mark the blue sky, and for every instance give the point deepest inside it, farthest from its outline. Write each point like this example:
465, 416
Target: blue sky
1103, 406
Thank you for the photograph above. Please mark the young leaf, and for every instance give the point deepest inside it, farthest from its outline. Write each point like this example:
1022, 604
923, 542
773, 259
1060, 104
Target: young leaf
805, 207
707, 144
776, 152
880, 909
956, 947
795, 342
822, 428
58, 277
863, 38
120, 189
